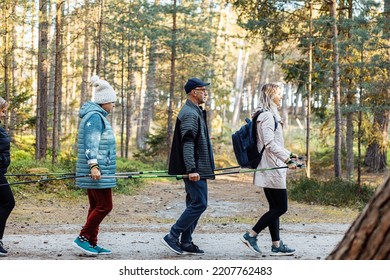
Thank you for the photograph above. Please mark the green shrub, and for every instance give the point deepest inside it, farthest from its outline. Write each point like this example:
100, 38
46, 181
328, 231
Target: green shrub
333, 192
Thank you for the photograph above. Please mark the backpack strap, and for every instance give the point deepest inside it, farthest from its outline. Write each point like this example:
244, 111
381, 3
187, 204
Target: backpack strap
254, 120
254, 125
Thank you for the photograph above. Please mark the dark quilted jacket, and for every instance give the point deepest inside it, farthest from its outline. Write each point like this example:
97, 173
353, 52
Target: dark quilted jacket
5, 158
191, 147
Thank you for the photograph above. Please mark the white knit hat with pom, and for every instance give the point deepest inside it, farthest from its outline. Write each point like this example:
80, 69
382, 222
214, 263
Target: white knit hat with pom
102, 91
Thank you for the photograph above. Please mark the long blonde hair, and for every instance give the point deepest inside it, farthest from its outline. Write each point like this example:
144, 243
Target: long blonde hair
266, 99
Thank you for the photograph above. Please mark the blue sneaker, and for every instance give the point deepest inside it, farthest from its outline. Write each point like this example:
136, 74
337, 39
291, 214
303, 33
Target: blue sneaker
282, 250
101, 250
82, 243
191, 249
172, 244
250, 242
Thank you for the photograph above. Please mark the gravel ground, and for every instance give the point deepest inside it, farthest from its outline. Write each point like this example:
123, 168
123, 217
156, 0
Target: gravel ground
44, 228
134, 242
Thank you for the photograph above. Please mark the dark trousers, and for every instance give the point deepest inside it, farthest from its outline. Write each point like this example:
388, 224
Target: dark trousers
100, 204
277, 201
7, 203
196, 204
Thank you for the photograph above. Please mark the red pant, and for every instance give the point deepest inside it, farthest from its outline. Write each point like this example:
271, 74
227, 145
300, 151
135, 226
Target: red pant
100, 204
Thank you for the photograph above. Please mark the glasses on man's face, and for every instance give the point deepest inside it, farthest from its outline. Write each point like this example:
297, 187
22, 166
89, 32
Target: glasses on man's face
203, 90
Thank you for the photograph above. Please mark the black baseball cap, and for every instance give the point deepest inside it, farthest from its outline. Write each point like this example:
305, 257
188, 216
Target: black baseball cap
194, 83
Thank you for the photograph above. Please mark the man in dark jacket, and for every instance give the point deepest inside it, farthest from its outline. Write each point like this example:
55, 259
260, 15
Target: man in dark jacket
191, 154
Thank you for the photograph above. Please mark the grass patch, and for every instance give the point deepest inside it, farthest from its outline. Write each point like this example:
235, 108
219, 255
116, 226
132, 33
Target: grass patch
335, 192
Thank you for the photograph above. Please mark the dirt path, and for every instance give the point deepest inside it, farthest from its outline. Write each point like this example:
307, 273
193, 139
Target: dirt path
44, 229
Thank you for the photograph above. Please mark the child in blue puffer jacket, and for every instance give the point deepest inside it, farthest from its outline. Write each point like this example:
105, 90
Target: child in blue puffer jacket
96, 158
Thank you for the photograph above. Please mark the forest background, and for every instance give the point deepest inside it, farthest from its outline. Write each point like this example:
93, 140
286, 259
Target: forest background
331, 58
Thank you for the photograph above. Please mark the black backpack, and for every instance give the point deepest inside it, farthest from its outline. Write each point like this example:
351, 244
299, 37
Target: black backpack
244, 143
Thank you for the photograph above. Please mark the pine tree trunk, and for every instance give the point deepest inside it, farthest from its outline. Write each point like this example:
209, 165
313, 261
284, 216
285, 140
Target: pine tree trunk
14, 79
309, 93
172, 81
150, 97
140, 140
130, 94
7, 53
57, 82
368, 238
85, 74
349, 139
99, 38
350, 165
240, 75
336, 90
41, 121
376, 153
122, 89
151, 91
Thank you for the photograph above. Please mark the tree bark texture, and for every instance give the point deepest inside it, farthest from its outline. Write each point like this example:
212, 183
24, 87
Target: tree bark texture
99, 38
85, 73
57, 83
336, 90
350, 166
172, 80
376, 154
368, 238
151, 90
41, 122
7, 53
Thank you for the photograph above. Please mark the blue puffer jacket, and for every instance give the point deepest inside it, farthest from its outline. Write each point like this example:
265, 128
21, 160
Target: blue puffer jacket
5, 158
96, 143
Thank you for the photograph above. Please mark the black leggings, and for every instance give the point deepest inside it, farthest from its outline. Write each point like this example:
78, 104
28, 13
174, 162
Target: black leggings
277, 200
7, 203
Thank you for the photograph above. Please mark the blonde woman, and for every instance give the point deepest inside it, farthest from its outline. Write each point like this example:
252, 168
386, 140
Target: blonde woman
7, 201
273, 182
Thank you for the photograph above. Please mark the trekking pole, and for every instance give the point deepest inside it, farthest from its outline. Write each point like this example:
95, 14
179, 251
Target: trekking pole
142, 172
206, 176
38, 174
45, 180
140, 176
118, 173
164, 171
249, 171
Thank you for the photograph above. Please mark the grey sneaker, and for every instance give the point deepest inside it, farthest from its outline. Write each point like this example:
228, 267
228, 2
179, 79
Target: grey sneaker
282, 250
172, 244
250, 242
3, 252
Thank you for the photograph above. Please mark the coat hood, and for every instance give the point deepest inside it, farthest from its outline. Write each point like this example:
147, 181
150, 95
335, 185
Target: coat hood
90, 107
